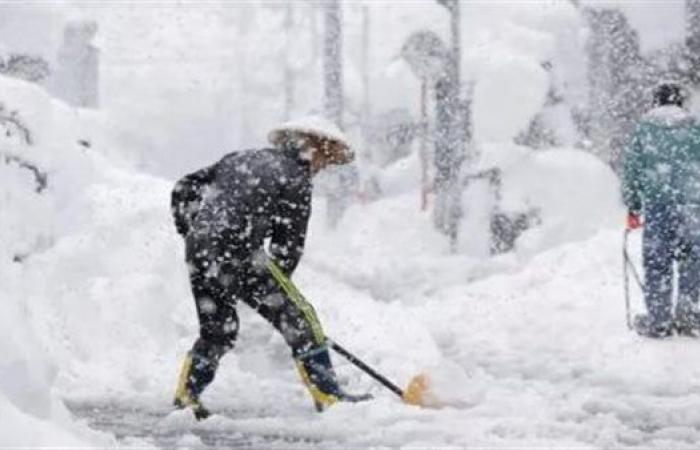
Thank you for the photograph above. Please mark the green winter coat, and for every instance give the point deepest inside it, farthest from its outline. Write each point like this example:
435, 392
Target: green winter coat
662, 164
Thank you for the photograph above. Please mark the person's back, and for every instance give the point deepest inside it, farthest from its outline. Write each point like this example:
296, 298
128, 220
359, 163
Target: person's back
663, 165
250, 193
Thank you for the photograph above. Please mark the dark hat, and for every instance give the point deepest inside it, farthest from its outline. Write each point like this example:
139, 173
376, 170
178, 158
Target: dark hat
669, 94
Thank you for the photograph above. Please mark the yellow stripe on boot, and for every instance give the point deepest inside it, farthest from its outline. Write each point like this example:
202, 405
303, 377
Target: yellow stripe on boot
321, 399
183, 397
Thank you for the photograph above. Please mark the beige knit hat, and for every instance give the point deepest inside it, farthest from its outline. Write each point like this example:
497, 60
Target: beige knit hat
315, 126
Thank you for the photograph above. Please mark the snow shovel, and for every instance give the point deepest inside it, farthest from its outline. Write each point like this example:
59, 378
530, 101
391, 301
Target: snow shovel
626, 268
416, 393
418, 390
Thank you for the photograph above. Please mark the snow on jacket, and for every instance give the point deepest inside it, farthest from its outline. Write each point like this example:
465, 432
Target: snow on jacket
245, 198
662, 164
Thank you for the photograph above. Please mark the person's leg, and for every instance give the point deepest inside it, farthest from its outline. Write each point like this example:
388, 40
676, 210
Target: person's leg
211, 277
687, 315
217, 336
658, 252
296, 321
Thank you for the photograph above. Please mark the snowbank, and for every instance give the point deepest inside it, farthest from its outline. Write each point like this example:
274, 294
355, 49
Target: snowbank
22, 430
571, 193
510, 91
32, 414
506, 51
115, 285
574, 193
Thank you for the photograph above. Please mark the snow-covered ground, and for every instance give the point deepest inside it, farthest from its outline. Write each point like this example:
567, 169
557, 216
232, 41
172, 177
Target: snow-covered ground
534, 355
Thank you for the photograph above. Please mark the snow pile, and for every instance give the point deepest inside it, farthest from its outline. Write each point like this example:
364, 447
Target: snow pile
113, 285
19, 201
495, 119
506, 53
514, 58
102, 276
510, 91
31, 414
391, 247
573, 193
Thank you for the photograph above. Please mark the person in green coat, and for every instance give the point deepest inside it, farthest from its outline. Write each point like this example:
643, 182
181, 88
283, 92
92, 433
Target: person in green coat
661, 189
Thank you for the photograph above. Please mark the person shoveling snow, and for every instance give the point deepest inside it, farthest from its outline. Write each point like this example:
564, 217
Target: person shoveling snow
225, 212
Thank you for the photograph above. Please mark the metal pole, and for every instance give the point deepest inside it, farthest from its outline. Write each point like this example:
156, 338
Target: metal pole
424, 144
333, 62
288, 71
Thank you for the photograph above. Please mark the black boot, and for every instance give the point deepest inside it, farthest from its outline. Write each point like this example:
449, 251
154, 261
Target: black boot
198, 371
317, 373
646, 326
687, 319
185, 395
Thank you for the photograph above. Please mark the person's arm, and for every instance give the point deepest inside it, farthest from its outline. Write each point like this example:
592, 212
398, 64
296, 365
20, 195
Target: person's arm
289, 226
186, 197
632, 177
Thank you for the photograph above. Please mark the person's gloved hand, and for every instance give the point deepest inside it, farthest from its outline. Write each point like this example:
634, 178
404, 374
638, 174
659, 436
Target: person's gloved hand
634, 221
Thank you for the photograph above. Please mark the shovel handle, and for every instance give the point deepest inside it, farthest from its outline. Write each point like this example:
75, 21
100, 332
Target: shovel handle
365, 368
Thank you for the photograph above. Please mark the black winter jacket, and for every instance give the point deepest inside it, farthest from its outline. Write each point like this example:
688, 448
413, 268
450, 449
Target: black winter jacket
245, 198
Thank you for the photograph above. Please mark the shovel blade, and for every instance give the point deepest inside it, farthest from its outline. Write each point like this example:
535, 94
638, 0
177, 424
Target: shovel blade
418, 392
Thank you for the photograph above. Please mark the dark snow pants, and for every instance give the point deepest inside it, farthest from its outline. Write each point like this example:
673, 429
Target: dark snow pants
219, 280
671, 234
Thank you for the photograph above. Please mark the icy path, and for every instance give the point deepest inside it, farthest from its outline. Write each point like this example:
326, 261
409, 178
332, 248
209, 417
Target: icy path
536, 357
